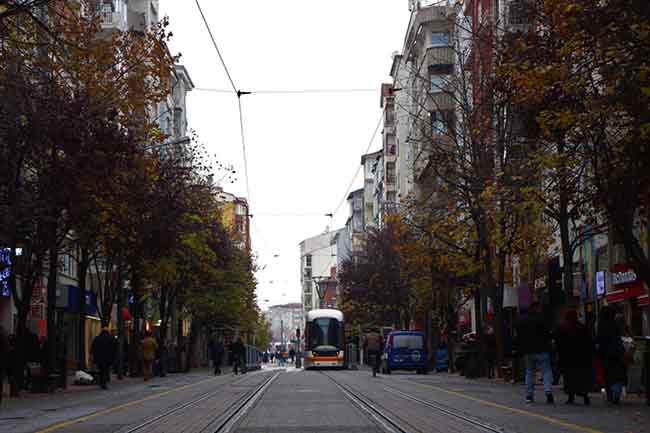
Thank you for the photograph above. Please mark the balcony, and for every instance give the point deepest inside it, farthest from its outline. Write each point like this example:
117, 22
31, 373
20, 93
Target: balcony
440, 56
112, 20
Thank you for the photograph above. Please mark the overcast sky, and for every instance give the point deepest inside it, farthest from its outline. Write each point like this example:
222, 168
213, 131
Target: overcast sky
302, 149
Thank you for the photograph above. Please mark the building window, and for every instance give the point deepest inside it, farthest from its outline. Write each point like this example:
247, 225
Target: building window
442, 122
308, 260
438, 123
391, 197
518, 13
438, 83
439, 39
390, 173
390, 144
308, 273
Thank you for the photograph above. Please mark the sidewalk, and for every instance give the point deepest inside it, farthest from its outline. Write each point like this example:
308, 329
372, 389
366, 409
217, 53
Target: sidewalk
633, 415
62, 398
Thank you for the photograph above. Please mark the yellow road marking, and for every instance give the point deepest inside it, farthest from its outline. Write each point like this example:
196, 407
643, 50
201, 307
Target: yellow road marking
546, 418
60, 425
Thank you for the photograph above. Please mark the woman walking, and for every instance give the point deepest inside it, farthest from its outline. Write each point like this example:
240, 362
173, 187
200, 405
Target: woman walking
611, 351
575, 352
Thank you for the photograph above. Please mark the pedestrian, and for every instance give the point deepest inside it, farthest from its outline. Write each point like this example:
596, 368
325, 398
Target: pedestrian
611, 352
238, 355
216, 354
373, 348
102, 351
534, 342
575, 357
4, 359
292, 355
490, 343
149, 349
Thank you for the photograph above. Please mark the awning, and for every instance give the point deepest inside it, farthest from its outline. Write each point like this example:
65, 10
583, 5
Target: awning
644, 301
622, 295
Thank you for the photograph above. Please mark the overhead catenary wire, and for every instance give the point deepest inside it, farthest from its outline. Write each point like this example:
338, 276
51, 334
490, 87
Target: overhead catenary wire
237, 93
356, 173
289, 91
216, 47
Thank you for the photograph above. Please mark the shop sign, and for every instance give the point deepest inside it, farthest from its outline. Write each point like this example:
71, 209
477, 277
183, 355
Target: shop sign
625, 284
5, 271
600, 283
626, 276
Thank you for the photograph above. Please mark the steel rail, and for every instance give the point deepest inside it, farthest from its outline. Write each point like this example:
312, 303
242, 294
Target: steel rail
148, 422
370, 408
241, 407
445, 410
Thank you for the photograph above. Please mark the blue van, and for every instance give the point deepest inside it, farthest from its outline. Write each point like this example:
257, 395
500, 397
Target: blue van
405, 350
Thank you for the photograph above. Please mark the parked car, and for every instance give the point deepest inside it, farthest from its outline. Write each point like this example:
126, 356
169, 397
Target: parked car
405, 350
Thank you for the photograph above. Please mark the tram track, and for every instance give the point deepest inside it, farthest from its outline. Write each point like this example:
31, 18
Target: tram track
373, 410
394, 423
445, 410
225, 421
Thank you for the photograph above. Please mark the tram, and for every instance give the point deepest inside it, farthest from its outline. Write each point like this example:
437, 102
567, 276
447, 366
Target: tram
324, 339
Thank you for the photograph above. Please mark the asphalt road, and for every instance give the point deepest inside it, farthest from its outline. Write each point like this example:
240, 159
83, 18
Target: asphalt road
278, 400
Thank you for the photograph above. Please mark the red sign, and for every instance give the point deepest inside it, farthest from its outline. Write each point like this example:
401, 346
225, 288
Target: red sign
625, 284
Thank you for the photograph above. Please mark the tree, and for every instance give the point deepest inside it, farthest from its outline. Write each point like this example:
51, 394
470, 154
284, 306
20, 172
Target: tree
591, 59
56, 104
373, 288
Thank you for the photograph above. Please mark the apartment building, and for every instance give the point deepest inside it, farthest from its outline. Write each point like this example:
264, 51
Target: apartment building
235, 217
318, 262
285, 319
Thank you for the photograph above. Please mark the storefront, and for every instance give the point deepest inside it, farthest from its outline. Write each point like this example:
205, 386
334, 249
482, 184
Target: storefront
68, 308
630, 295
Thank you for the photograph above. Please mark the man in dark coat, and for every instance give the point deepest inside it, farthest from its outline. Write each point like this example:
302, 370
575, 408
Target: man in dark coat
534, 342
103, 353
238, 356
216, 354
611, 352
575, 349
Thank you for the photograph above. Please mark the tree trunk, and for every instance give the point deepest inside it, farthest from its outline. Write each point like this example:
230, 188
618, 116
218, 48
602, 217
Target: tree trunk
565, 239
82, 272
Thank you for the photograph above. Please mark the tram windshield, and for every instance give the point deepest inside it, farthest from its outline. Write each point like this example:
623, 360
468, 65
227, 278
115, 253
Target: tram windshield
324, 332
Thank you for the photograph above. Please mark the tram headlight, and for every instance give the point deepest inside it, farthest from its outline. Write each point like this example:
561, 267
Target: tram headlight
341, 354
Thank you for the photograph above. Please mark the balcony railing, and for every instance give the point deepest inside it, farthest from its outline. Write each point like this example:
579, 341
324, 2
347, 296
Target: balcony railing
112, 20
439, 56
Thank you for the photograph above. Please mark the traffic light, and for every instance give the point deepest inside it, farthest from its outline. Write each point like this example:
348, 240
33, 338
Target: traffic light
298, 333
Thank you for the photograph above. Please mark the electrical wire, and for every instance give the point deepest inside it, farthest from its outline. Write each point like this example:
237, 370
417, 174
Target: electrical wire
216, 47
239, 94
290, 91
243, 145
356, 173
